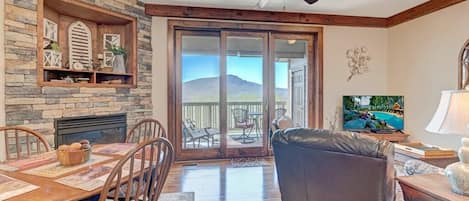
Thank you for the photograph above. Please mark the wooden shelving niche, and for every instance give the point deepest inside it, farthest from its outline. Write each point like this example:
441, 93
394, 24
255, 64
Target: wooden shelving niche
77, 44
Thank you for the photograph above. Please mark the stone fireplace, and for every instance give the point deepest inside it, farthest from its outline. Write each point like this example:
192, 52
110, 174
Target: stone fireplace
37, 107
101, 129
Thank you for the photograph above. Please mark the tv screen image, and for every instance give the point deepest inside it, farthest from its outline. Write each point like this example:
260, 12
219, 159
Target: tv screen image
365, 113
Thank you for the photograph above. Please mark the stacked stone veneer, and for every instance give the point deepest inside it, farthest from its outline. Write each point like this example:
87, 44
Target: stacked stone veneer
36, 107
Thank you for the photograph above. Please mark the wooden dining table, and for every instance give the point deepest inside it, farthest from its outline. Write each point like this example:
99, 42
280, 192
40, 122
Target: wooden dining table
50, 190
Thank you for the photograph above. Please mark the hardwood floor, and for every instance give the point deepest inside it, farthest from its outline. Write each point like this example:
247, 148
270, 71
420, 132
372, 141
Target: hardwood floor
220, 181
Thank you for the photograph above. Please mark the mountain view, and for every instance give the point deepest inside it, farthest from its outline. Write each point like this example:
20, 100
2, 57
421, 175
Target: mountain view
239, 90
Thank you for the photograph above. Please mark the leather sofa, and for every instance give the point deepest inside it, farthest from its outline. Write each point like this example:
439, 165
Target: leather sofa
322, 165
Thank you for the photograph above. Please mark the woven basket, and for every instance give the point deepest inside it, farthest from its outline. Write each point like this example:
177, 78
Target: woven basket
73, 157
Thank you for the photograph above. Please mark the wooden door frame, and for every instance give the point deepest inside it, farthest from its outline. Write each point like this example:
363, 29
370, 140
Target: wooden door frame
317, 79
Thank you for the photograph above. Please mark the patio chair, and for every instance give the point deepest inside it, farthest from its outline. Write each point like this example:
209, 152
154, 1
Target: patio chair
241, 118
155, 158
192, 134
212, 132
21, 142
146, 129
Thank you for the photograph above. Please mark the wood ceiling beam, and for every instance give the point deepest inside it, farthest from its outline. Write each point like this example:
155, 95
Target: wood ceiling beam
261, 16
420, 10
299, 18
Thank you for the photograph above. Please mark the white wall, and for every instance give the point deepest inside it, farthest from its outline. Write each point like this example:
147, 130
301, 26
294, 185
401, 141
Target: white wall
336, 41
159, 72
423, 60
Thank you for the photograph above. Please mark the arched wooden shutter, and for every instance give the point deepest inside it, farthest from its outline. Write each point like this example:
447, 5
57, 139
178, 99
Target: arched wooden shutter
79, 43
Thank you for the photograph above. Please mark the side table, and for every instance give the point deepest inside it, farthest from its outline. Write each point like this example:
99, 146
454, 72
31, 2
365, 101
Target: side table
428, 187
402, 155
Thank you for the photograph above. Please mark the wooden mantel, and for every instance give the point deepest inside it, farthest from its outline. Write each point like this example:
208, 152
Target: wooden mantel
300, 18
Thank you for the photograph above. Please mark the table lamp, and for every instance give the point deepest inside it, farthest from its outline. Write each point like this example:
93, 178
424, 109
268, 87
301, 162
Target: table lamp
452, 117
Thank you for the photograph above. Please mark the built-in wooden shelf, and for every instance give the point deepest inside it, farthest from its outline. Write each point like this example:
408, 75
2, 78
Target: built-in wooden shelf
112, 73
66, 70
100, 21
90, 85
85, 71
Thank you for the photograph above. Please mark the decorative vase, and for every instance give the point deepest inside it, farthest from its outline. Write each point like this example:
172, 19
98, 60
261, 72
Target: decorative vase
458, 173
282, 121
118, 64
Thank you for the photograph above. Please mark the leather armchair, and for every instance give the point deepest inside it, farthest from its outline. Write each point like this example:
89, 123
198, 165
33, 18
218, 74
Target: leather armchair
322, 165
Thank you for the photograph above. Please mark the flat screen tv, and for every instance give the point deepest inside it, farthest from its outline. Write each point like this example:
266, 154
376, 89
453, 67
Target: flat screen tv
373, 113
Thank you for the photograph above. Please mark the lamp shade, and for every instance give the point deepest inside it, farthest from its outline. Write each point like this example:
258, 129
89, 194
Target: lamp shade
452, 115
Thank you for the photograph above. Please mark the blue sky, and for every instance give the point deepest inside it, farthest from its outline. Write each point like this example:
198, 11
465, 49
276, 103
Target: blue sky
247, 68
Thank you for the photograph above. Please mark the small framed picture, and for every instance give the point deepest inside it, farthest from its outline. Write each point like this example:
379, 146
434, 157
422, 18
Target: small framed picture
50, 30
111, 40
108, 58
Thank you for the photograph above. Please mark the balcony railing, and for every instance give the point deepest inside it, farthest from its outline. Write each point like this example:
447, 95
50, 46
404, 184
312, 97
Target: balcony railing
206, 114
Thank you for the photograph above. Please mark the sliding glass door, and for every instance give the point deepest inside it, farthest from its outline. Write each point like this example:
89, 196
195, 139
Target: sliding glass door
244, 66
231, 85
291, 58
198, 84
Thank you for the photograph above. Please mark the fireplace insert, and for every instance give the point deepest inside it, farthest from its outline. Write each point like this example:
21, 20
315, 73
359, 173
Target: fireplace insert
103, 129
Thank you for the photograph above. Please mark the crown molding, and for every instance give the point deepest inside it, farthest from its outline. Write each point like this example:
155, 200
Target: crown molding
298, 18
261, 16
420, 10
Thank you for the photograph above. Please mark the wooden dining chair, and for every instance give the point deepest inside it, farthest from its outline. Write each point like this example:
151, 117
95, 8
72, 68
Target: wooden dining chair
127, 182
21, 142
146, 129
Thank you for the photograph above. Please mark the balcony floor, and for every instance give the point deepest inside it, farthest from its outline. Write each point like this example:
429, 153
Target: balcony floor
232, 143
